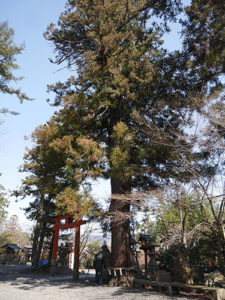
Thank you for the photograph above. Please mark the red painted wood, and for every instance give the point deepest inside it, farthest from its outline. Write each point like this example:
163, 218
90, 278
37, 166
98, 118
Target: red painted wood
58, 219
77, 253
55, 244
68, 225
77, 242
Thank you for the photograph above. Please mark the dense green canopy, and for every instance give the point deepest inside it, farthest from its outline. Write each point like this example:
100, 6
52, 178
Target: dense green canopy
124, 111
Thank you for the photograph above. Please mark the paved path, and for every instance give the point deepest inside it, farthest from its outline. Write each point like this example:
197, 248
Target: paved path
17, 282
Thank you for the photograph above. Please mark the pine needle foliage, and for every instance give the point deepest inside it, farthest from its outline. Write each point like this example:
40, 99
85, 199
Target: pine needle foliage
8, 52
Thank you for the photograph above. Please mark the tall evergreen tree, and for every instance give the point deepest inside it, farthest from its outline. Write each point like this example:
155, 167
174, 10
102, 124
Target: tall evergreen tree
204, 44
122, 73
125, 78
41, 185
53, 179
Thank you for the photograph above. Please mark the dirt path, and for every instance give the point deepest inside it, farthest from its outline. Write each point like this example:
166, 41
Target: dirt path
18, 282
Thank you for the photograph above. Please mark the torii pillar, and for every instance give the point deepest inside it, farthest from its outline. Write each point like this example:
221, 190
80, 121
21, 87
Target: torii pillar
67, 223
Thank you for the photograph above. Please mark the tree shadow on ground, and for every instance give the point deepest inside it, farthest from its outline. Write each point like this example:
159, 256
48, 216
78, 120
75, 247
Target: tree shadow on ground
119, 293
28, 281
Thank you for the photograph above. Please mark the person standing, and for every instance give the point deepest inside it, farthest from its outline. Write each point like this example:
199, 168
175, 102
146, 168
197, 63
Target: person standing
99, 264
106, 270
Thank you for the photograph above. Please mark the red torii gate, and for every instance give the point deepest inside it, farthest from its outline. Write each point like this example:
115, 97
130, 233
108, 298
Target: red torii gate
68, 223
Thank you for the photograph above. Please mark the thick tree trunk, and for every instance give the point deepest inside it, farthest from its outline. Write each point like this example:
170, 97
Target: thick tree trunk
221, 260
121, 256
121, 261
50, 251
35, 246
41, 241
38, 240
121, 253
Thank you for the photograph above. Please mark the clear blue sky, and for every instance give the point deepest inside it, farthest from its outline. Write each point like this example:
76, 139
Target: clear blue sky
29, 19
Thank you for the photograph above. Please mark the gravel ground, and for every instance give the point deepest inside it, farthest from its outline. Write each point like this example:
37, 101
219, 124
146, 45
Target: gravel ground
17, 282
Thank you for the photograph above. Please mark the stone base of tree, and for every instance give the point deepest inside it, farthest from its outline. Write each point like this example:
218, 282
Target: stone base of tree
122, 277
215, 278
182, 271
160, 275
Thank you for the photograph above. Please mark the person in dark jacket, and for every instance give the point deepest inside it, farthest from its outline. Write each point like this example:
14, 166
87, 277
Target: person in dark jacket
99, 264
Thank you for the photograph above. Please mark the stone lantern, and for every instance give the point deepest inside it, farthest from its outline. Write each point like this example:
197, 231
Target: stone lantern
148, 245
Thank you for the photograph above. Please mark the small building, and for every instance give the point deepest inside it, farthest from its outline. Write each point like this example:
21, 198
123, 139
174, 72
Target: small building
9, 253
27, 253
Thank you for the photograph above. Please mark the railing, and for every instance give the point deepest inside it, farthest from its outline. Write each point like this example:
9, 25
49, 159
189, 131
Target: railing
9, 258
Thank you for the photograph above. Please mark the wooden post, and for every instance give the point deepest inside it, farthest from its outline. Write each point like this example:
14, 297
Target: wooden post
54, 252
146, 260
76, 253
